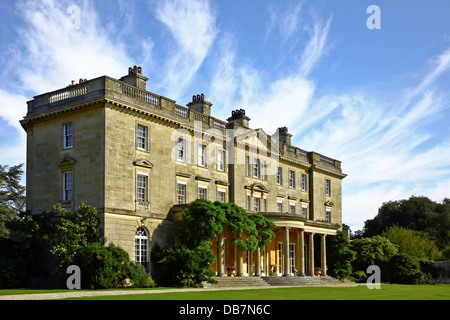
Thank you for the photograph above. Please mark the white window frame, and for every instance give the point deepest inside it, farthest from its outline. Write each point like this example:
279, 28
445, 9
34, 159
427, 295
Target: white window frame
291, 208
305, 211
327, 187
202, 192
304, 182
201, 155
181, 193
68, 136
291, 179
256, 168
279, 176
141, 247
221, 194
142, 187
328, 215
68, 186
142, 137
292, 257
256, 204
220, 159
181, 149
279, 206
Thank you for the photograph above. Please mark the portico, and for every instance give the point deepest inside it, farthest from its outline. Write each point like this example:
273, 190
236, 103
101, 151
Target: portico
298, 248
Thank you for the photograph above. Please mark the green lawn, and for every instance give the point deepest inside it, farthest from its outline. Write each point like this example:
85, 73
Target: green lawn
387, 292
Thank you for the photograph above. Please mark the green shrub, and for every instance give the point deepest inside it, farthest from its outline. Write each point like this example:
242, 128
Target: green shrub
109, 267
405, 269
339, 256
372, 251
183, 267
13, 272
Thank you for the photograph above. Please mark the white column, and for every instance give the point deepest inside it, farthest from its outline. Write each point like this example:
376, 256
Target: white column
220, 256
300, 252
311, 254
287, 267
323, 256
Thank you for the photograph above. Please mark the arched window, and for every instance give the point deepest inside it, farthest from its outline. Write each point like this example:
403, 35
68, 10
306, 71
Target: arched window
141, 247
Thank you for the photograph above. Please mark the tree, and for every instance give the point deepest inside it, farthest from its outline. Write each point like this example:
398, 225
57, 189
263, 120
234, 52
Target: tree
340, 256
12, 199
404, 269
75, 231
202, 221
415, 213
372, 251
189, 263
413, 243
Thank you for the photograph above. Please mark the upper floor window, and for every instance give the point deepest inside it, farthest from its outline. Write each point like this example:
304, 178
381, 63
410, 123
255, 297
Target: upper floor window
181, 150
279, 206
291, 179
202, 193
328, 216
68, 186
142, 137
201, 155
220, 160
142, 188
181, 193
68, 136
327, 187
256, 168
304, 211
221, 196
304, 182
291, 208
279, 172
256, 204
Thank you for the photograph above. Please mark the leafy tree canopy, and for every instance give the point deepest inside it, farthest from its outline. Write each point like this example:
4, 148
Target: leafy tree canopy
415, 213
12, 196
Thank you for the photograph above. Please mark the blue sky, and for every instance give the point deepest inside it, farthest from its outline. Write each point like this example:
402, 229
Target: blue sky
376, 99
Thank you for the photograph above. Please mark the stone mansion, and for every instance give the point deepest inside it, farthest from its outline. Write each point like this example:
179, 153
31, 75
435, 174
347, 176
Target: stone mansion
140, 158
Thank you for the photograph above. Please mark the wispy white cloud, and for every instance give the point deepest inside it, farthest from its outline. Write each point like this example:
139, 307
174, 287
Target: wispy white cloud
192, 25
315, 48
383, 146
284, 23
50, 51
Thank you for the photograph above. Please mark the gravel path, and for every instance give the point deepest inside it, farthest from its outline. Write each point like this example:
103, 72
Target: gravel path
78, 294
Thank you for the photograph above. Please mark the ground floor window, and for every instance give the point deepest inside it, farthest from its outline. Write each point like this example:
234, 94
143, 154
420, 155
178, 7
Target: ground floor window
141, 247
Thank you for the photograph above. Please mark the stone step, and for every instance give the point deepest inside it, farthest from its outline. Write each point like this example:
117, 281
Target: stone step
237, 282
300, 281
267, 281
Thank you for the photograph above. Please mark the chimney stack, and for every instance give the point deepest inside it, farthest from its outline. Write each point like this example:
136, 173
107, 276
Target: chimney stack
199, 104
135, 78
284, 136
239, 117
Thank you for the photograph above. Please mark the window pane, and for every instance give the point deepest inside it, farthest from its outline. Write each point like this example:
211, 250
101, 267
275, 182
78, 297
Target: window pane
180, 149
142, 137
181, 193
142, 188
68, 136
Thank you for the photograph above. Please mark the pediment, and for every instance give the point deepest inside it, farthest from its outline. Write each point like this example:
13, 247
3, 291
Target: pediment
257, 187
329, 204
143, 163
67, 161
